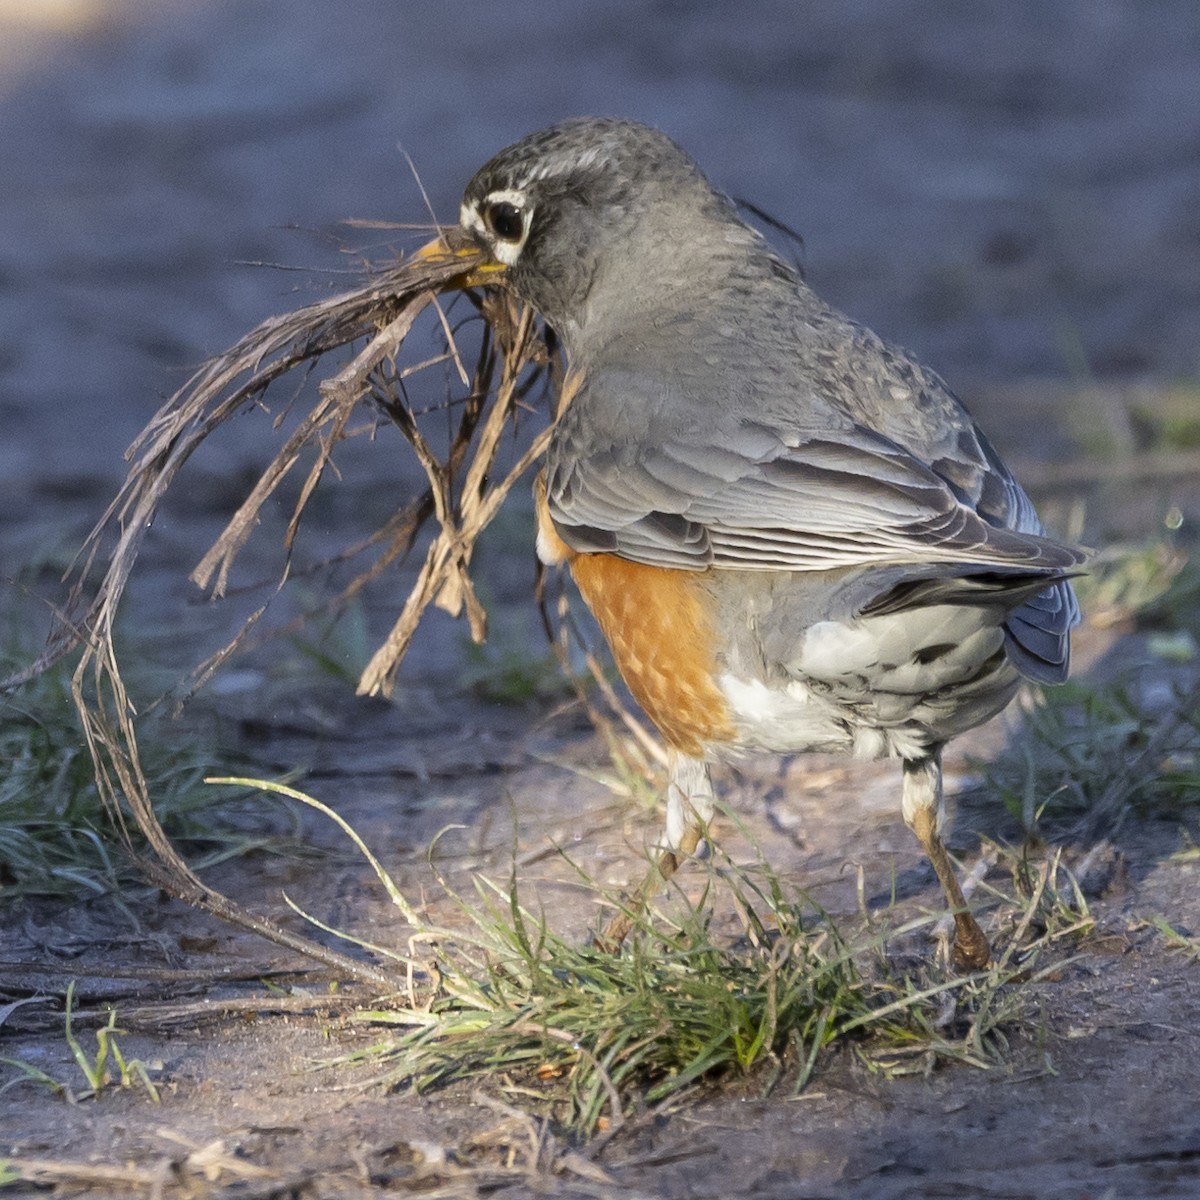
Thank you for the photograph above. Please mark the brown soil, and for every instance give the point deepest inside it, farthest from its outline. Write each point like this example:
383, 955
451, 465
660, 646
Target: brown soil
1089, 1100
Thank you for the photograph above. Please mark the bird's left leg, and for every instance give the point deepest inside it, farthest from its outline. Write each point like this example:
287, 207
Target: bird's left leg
690, 806
923, 812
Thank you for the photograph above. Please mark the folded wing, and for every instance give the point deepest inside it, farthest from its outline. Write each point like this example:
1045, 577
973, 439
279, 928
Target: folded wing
746, 496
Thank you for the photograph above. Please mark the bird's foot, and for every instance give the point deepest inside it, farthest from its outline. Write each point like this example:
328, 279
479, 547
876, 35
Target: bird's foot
665, 865
971, 949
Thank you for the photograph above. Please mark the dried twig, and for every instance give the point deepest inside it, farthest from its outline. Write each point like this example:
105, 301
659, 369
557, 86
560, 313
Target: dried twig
443, 577
464, 494
640, 752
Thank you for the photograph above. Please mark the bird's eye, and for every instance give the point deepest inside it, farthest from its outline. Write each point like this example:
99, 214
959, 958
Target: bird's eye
505, 220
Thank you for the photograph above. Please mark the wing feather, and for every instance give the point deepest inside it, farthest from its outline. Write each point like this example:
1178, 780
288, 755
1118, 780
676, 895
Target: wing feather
819, 503
732, 493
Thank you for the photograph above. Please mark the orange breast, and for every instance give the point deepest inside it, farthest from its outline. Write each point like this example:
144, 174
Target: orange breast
658, 623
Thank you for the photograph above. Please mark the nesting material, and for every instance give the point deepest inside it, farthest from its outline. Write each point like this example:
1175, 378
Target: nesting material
464, 490
462, 494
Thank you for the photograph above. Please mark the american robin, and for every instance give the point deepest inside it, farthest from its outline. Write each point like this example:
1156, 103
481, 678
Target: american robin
792, 534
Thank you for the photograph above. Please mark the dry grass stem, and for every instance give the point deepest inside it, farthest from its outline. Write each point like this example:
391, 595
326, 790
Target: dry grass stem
465, 491
444, 579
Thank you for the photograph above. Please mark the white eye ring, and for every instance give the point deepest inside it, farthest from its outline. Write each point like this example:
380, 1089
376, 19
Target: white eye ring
480, 219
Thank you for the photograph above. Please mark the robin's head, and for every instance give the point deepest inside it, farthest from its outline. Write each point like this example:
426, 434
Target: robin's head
594, 211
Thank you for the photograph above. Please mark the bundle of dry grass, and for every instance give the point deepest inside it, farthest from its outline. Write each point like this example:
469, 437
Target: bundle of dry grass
464, 491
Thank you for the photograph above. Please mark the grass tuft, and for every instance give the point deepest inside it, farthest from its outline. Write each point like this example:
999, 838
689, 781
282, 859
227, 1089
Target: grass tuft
56, 838
1090, 755
97, 1069
507, 675
587, 1037
1152, 584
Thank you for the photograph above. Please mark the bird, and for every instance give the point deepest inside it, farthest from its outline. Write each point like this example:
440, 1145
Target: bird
792, 534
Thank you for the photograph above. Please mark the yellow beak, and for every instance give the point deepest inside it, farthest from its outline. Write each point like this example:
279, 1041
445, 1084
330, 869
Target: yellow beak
452, 245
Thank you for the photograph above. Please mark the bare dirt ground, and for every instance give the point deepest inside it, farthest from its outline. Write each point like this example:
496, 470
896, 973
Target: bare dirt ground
1090, 1100
1012, 195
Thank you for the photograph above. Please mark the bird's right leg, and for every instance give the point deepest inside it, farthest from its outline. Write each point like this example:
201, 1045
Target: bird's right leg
690, 807
923, 813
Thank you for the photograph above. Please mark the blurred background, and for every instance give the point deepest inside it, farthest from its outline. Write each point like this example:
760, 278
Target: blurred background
1008, 189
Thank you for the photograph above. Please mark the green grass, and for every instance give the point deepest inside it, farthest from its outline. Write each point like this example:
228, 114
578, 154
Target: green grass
504, 672
97, 1068
1089, 754
1092, 755
1151, 585
1172, 421
56, 838
337, 647
587, 1037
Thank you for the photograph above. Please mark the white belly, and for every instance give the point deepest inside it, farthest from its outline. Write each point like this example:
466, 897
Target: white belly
793, 719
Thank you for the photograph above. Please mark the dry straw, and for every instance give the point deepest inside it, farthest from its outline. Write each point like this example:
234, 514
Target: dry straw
464, 491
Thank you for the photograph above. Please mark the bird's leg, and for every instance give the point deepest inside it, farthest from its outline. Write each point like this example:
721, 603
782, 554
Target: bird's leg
923, 812
690, 806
